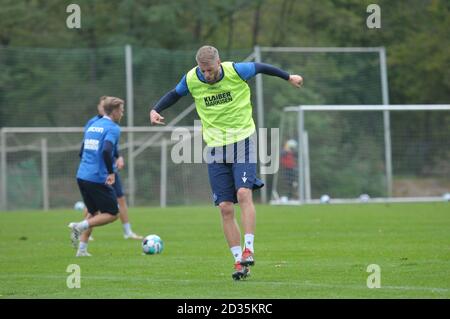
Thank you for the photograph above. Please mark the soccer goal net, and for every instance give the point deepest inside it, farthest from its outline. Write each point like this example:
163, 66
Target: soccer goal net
348, 153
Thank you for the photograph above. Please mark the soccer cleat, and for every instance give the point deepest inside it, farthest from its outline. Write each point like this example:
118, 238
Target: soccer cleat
83, 253
133, 236
74, 234
240, 272
91, 238
247, 258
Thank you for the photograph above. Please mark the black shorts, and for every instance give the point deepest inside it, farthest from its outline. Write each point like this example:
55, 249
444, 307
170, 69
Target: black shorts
232, 167
98, 197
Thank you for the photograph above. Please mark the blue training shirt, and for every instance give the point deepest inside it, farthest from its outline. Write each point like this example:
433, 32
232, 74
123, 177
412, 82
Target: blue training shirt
246, 71
92, 120
92, 166
89, 123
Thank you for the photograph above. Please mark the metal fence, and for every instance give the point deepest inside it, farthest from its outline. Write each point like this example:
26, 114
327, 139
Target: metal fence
39, 165
60, 88
340, 151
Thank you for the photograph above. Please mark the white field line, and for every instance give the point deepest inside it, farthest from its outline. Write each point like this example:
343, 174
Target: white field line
188, 281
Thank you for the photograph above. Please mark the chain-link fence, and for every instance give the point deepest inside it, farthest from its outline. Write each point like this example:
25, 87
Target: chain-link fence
39, 166
341, 152
60, 88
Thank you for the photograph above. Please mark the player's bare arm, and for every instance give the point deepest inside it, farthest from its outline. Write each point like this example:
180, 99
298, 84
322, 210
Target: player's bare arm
156, 118
296, 80
111, 179
120, 163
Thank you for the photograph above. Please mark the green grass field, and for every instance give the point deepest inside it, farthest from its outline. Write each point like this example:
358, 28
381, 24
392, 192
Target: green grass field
319, 251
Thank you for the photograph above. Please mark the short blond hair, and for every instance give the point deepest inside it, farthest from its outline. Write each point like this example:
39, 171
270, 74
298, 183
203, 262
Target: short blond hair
100, 109
207, 54
111, 103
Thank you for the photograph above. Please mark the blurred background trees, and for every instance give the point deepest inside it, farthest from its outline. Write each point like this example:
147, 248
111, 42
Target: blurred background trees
52, 76
414, 32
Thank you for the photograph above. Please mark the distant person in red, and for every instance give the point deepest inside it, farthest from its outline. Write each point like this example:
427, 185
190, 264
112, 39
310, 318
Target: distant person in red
289, 166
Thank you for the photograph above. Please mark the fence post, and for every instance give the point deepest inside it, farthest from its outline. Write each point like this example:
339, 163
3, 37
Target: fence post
260, 117
387, 122
44, 174
129, 107
163, 191
3, 171
301, 156
306, 165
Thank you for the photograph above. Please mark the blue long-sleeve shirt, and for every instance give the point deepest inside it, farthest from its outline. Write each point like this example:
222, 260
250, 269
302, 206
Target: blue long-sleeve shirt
246, 71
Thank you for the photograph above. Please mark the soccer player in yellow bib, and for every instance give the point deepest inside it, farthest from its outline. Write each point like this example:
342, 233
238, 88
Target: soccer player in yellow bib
223, 102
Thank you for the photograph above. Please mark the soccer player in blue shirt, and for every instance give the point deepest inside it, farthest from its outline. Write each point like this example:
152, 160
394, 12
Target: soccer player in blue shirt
119, 164
95, 174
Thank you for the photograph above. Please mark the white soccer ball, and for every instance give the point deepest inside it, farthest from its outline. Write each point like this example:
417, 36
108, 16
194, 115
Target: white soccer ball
78, 206
325, 199
364, 198
291, 144
152, 244
446, 197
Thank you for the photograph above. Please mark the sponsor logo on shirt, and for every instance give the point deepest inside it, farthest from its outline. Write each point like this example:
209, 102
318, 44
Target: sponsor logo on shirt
218, 99
95, 129
91, 144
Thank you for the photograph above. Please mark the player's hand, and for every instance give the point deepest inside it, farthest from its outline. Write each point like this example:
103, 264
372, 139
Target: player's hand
156, 118
296, 80
111, 179
120, 163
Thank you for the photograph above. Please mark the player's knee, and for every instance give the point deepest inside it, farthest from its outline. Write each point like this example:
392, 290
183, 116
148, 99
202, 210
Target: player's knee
244, 195
226, 209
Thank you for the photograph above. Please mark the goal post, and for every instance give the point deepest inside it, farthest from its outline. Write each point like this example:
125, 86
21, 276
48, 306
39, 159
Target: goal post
341, 152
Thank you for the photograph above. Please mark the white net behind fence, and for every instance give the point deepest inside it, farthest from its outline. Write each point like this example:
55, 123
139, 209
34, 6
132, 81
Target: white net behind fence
343, 153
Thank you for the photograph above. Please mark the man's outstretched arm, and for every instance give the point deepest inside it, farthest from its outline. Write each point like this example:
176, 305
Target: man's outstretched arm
247, 70
294, 79
169, 99
166, 101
